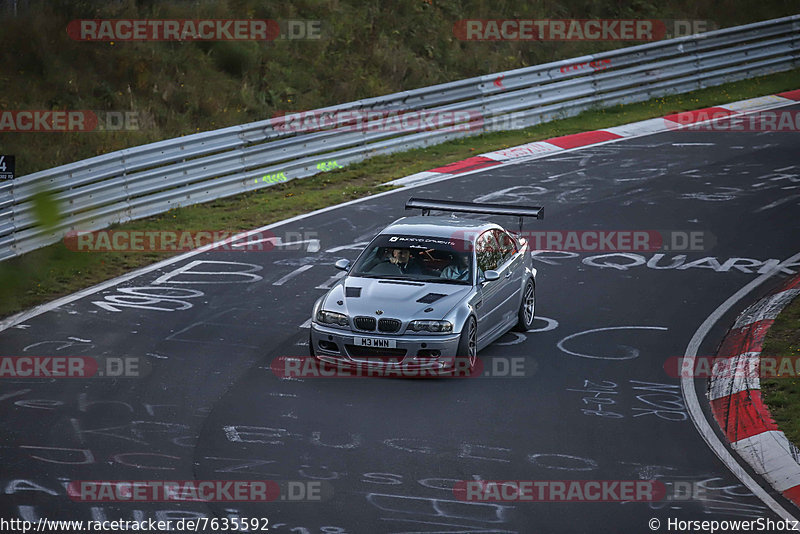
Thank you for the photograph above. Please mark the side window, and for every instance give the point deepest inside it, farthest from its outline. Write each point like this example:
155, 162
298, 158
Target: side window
487, 251
507, 245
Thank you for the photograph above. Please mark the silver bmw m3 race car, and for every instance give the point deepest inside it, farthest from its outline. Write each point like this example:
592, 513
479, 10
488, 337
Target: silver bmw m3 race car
429, 292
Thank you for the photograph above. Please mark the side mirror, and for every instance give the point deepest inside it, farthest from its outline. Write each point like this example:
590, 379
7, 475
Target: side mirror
491, 275
342, 264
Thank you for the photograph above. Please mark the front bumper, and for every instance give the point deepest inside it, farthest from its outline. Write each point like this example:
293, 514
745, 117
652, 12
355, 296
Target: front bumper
336, 346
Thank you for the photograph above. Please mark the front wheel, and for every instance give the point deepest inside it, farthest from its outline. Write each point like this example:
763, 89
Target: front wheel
311, 345
526, 308
467, 352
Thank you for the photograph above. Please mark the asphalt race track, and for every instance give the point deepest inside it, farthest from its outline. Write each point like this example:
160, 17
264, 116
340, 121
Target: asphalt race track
595, 402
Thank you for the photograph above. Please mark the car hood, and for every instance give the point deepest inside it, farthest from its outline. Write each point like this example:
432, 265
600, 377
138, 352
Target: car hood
399, 300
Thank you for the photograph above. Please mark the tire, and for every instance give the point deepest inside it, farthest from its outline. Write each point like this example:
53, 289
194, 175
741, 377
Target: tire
311, 346
467, 352
527, 308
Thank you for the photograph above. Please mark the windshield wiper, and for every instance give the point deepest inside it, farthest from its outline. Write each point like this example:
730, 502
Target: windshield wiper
384, 277
449, 281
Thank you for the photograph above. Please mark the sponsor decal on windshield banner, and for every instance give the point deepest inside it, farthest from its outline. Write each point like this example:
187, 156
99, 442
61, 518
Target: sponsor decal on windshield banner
402, 240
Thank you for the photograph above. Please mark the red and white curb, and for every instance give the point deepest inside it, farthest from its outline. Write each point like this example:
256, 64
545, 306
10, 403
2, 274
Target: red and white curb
540, 149
736, 397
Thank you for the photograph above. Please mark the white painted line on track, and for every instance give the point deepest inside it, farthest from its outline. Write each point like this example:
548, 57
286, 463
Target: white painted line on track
291, 275
693, 144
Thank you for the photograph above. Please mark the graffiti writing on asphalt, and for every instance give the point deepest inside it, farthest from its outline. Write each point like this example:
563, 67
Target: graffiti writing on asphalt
661, 400
580, 185
423, 500
81, 345
146, 298
625, 352
622, 261
161, 297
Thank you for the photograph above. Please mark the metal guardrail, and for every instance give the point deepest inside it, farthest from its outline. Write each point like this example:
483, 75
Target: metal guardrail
146, 180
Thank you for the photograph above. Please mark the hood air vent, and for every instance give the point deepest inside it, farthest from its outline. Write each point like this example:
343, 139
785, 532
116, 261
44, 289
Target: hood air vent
430, 297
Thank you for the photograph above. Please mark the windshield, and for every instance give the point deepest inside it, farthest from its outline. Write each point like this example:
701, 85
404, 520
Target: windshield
422, 259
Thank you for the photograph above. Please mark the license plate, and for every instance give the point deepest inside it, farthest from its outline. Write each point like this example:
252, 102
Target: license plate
376, 342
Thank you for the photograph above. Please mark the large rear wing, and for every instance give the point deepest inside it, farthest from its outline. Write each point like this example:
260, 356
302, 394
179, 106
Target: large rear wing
426, 205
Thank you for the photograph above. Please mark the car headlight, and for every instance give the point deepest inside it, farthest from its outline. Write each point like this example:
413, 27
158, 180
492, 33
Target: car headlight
332, 318
431, 326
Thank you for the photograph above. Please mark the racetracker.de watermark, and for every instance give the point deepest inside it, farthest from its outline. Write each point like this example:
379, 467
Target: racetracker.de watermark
16, 367
583, 491
185, 240
603, 240
726, 121
199, 490
393, 367
559, 490
32, 120
377, 120
193, 29
757, 366
576, 29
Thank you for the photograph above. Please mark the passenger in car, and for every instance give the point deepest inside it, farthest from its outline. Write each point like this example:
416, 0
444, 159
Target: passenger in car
458, 268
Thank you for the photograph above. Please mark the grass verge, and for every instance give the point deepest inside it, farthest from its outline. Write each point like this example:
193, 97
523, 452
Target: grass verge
54, 271
782, 395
